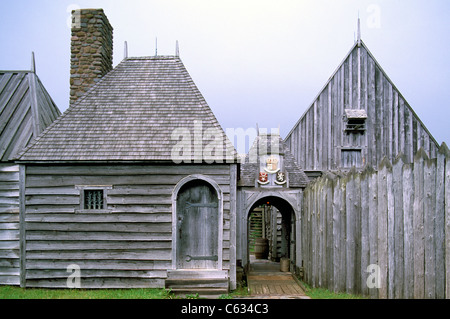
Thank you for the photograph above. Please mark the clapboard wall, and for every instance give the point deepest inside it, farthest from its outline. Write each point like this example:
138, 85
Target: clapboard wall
9, 224
130, 245
319, 137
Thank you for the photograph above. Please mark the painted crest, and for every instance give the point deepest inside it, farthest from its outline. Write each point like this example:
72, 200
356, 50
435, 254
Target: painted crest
263, 178
280, 178
272, 165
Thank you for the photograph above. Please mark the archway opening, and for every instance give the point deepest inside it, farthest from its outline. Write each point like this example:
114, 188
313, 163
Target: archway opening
271, 235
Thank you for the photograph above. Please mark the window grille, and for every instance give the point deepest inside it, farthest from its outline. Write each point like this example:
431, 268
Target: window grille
356, 121
93, 199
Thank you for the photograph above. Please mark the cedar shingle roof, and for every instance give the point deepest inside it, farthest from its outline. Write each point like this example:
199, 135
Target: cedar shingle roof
26, 109
130, 115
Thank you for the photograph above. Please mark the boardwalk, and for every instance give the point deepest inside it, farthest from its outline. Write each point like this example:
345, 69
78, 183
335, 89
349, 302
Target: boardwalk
265, 280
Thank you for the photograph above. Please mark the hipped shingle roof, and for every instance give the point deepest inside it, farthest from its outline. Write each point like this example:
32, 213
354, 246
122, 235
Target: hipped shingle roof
135, 113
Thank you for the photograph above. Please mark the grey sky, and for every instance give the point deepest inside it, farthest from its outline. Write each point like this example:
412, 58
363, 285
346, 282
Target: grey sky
254, 61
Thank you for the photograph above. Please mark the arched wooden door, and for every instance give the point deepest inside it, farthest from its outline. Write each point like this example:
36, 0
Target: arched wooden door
197, 226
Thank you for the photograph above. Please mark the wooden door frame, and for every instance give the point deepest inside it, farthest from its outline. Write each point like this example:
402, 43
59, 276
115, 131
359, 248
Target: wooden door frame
219, 193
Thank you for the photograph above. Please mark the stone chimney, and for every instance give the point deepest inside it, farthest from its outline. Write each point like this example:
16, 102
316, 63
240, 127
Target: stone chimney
91, 50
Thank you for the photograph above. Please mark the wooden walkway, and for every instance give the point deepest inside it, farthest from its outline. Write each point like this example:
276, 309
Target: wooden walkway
265, 280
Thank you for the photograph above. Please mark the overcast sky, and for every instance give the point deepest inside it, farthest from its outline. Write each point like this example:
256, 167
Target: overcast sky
254, 61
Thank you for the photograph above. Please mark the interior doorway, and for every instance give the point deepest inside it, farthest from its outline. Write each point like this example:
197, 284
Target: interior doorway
271, 235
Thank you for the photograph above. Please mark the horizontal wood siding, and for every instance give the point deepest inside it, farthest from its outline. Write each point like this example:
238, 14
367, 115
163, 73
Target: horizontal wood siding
129, 244
9, 224
392, 127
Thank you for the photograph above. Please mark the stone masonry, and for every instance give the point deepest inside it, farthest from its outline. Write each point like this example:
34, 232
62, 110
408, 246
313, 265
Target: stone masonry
91, 50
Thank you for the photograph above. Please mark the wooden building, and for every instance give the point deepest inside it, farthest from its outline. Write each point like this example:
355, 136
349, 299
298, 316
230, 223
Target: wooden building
26, 109
358, 118
135, 184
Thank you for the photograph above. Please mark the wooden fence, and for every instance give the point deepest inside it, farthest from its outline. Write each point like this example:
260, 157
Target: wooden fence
396, 218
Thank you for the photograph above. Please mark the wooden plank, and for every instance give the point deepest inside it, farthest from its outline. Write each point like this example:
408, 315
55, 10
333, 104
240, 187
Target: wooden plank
329, 232
155, 254
398, 228
383, 228
429, 227
343, 233
446, 152
440, 222
408, 220
390, 233
418, 220
351, 228
364, 221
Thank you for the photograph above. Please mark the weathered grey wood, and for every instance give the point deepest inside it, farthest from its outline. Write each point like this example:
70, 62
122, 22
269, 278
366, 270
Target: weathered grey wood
391, 125
383, 228
398, 227
373, 221
429, 227
351, 228
232, 227
444, 150
390, 233
408, 221
439, 224
365, 248
418, 222
22, 185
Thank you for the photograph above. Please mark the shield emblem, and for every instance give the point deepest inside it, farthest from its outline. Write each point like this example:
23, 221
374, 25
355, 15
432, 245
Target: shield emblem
263, 178
272, 165
280, 178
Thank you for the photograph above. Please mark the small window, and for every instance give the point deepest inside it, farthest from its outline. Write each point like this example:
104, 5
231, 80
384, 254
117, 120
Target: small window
93, 199
356, 121
350, 158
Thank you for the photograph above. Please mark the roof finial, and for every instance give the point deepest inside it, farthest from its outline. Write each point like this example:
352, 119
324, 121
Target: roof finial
177, 49
125, 50
358, 32
156, 46
33, 63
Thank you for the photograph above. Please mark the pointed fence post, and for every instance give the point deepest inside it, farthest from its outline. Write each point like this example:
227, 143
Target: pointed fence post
439, 224
419, 237
408, 239
398, 227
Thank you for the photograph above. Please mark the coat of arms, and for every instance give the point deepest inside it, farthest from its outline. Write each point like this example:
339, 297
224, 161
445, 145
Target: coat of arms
263, 178
272, 164
280, 178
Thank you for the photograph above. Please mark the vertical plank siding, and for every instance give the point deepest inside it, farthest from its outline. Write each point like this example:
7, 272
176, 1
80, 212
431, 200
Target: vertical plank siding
392, 127
396, 218
128, 244
9, 224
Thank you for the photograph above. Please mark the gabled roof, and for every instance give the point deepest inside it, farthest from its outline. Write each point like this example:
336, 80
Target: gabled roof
359, 44
26, 109
137, 112
267, 144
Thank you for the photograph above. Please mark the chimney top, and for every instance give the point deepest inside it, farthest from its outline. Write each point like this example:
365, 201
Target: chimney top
91, 50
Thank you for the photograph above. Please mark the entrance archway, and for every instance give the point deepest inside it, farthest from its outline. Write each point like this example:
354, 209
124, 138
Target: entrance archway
273, 218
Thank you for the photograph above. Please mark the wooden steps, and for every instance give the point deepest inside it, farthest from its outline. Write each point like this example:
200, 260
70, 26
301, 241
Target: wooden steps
205, 283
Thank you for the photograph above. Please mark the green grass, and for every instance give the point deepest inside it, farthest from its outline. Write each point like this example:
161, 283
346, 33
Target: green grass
13, 292
322, 293
10, 292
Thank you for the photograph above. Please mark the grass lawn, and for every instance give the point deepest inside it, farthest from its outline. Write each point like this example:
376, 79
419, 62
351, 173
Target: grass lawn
13, 292
322, 293
10, 292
